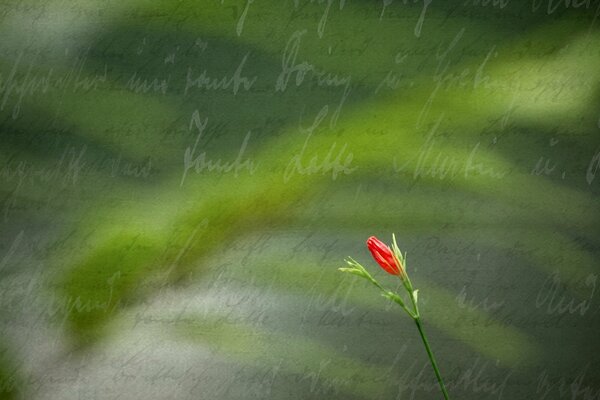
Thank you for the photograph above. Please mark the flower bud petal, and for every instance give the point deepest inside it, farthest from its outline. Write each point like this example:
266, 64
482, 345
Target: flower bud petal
384, 256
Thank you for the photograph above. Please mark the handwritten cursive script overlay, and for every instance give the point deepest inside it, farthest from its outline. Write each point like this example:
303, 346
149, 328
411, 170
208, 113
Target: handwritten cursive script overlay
200, 163
334, 164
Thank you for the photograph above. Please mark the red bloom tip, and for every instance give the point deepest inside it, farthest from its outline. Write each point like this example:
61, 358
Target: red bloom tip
384, 256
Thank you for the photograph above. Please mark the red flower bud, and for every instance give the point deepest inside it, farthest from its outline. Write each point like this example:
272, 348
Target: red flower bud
384, 256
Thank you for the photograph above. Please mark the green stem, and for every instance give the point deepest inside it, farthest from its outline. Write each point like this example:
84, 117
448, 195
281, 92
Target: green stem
431, 358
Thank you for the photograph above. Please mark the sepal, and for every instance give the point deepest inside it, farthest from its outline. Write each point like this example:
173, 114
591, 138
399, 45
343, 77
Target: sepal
354, 271
393, 297
397, 252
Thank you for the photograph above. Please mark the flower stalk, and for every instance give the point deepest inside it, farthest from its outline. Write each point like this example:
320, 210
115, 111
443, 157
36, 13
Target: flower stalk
393, 262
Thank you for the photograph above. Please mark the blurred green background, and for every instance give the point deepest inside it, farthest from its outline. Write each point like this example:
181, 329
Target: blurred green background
180, 181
